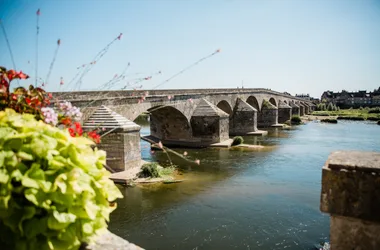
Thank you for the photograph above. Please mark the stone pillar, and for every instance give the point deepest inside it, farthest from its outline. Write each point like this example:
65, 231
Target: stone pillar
284, 112
295, 108
351, 195
209, 124
268, 115
307, 109
302, 110
243, 119
122, 139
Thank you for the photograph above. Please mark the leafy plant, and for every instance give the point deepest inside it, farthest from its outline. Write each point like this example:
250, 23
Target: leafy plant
237, 140
149, 170
54, 191
296, 120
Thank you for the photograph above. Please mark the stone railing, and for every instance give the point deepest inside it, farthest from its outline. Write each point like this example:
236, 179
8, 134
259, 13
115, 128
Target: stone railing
351, 195
112, 94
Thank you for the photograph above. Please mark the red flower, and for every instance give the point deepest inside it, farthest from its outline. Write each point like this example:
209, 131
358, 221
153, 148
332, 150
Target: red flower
94, 136
27, 100
14, 97
22, 75
50, 95
78, 128
71, 131
66, 121
11, 74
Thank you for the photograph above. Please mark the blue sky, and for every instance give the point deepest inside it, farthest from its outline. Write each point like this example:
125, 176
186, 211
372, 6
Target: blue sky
294, 46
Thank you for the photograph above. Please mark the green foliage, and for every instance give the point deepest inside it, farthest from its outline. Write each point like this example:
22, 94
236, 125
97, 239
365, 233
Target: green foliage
296, 120
149, 170
166, 171
237, 140
374, 110
54, 191
329, 120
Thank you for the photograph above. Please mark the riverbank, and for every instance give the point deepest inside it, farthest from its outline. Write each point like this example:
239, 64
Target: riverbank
362, 114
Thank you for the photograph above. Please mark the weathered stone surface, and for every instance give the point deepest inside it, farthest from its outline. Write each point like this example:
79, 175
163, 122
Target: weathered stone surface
110, 241
121, 138
349, 233
351, 194
209, 123
295, 108
351, 185
268, 115
243, 119
284, 112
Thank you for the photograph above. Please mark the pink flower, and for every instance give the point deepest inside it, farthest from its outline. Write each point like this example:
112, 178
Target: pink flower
198, 162
185, 153
190, 100
160, 145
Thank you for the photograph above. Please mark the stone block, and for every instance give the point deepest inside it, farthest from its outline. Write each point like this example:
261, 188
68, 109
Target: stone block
351, 185
351, 195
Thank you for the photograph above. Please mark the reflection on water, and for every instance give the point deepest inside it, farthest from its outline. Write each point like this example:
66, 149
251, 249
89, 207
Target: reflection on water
241, 199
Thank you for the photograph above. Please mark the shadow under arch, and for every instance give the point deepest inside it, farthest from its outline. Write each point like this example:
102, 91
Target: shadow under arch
225, 106
273, 101
251, 100
169, 124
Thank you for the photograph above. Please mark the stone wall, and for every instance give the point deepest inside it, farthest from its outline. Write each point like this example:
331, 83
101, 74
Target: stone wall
267, 117
351, 195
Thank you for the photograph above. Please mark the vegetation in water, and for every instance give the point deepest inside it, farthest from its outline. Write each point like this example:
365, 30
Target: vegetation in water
154, 170
296, 120
237, 140
352, 114
54, 191
329, 120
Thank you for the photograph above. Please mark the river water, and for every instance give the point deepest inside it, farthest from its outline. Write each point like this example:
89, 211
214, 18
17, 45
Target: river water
239, 199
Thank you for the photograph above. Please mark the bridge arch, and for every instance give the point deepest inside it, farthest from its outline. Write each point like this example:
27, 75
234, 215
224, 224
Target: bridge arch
251, 100
168, 123
225, 106
273, 101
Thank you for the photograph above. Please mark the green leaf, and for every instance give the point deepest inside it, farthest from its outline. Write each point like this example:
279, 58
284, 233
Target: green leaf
58, 221
4, 177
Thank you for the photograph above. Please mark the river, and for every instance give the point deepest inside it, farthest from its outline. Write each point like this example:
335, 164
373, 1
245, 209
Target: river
237, 199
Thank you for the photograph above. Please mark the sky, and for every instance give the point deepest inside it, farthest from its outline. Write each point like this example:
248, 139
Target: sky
294, 46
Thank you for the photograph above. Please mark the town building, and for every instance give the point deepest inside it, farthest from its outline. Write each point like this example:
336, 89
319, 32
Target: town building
357, 99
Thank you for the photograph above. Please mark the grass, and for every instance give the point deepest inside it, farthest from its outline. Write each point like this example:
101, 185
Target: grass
352, 114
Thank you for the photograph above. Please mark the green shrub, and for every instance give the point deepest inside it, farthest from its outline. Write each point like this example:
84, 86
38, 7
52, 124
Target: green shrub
374, 110
296, 120
329, 120
54, 191
237, 140
149, 170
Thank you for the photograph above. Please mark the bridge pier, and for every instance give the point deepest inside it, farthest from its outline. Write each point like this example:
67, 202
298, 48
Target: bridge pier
209, 124
243, 119
351, 195
284, 112
295, 108
307, 109
122, 143
268, 115
302, 110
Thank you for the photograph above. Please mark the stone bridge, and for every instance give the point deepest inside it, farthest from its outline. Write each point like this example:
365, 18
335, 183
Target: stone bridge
195, 117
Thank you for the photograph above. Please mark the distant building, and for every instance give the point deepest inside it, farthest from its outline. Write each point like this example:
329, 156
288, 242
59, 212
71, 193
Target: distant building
308, 97
357, 99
